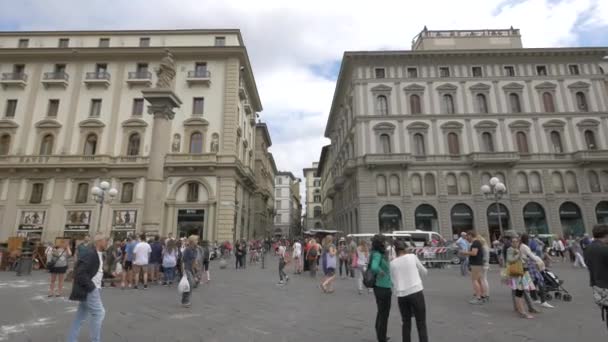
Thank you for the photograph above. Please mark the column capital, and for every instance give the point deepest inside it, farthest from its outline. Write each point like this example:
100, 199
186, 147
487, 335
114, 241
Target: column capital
161, 111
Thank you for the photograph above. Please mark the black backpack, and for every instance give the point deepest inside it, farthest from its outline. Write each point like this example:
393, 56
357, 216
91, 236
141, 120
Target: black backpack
369, 278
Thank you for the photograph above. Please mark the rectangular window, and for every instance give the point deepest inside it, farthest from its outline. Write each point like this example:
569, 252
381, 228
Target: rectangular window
142, 68
101, 68
59, 68
104, 42
18, 68
64, 42
192, 195
95, 111
509, 71
37, 191
412, 72
198, 105
220, 41
277, 205
380, 73
144, 42
477, 71
53, 108
573, 69
317, 199
11, 108
82, 193
279, 218
541, 70
277, 192
23, 43
138, 107
444, 72
279, 181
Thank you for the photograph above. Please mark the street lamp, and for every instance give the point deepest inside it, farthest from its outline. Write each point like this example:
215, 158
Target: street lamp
494, 191
103, 194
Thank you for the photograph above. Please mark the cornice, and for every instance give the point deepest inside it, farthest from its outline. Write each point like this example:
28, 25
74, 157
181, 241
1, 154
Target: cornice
196, 121
8, 124
91, 123
134, 122
47, 123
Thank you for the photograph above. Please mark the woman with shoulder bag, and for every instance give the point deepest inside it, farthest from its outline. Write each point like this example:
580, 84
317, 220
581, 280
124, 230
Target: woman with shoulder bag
57, 265
518, 279
380, 267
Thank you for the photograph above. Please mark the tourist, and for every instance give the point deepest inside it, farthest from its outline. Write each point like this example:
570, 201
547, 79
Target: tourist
238, 250
113, 256
407, 286
518, 281
169, 257
127, 272
312, 256
486, 268
281, 252
206, 259
361, 260
343, 254
188, 260
86, 290
156, 259
330, 263
463, 247
297, 257
596, 258
577, 252
327, 245
57, 264
352, 255
83, 247
380, 266
476, 264
534, 265
141, 258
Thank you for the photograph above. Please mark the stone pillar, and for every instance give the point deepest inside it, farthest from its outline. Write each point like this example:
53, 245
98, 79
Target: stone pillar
162, 103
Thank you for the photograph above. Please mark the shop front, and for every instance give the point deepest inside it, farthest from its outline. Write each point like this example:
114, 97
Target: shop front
389, 219
31, 225
496, 213
534, 219
124, 222
77, 225
601, 212
462, 219
426, 218
190, 222
571, 219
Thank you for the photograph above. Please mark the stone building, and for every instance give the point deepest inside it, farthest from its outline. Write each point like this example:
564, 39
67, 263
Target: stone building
415, 134
288, 208
314, 210
265, 170
73, 114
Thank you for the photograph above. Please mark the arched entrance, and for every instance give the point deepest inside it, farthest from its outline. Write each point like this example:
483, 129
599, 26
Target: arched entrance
493, 217
462, 219
534, 219
426, 218
571, 219
389, 219
601, 212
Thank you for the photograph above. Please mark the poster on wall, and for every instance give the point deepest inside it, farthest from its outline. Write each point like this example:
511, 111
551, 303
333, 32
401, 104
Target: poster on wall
32, 220
78, 220
124, 219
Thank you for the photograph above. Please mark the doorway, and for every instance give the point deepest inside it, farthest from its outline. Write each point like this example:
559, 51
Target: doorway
190, 222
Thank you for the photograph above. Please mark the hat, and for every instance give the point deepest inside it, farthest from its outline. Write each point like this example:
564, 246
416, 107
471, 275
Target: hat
342, 239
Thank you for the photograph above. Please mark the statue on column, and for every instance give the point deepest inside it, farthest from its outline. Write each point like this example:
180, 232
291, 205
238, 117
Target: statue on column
176, 145
215, 143
166, 72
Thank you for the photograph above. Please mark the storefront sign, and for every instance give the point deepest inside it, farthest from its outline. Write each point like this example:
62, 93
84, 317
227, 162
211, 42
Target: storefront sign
534, 214
124, 219
78, 220
32, 220
569, 214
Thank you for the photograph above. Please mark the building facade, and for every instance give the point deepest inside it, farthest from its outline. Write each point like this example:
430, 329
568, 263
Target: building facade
73, 115
415, 134
265, 171
313, 216
287, 204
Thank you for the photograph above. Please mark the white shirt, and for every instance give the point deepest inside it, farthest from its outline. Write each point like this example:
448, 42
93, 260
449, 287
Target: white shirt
405, 275
142, 253
281, 251
99, 276
297, 250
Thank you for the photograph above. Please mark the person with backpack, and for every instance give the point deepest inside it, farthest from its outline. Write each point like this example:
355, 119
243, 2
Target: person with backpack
312, 256
596, 258
379, 266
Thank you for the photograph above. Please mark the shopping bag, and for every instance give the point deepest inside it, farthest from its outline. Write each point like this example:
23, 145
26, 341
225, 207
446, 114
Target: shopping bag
184, 285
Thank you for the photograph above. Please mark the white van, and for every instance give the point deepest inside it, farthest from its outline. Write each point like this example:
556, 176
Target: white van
420, 238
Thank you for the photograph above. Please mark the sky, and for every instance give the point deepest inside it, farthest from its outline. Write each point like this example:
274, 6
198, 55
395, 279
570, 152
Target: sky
296, 46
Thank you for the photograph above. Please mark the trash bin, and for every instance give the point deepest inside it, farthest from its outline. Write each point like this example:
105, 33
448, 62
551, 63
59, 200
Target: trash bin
25, 265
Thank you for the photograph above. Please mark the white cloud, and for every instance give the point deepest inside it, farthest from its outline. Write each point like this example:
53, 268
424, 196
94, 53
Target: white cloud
286, 38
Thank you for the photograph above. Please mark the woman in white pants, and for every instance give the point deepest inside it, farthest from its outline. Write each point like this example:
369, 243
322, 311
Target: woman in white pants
361, 265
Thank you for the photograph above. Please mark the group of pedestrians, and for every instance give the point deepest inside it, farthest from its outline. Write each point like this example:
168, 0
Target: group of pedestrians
575, 247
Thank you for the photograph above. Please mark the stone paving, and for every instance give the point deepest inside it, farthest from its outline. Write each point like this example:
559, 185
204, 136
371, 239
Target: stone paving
246, 305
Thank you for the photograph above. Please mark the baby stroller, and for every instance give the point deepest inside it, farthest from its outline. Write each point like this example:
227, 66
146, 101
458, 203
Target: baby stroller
554, 284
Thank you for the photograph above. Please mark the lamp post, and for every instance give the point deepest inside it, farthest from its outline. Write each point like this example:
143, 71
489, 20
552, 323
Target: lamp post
495, 191
103, 194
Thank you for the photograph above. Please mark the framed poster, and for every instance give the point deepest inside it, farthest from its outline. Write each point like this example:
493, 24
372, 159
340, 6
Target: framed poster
78, 220
124, 219
32, 220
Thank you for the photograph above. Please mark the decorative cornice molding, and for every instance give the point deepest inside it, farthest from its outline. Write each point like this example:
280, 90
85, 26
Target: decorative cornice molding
486, 124
546, 86
47, 123
579, 85
513, 86
91, 123
452, 125
418, 126
196, 122
134, 122
480, 87
520, 124
447, 87
8, 124
588, 123
381, 88
414, 88
384, 126
554, 124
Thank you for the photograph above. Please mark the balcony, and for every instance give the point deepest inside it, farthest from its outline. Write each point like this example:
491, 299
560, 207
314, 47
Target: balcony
55, 78
139, 78
17, 79
98, 78
242, 92
545, 157
339, 183
198, 77
392, 159
350, 167
190, 160
72, 161
591, 156
247, 108
493, 158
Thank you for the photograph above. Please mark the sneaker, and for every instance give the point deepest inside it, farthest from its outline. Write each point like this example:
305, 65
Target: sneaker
476, 301
145, 287
164, 283
485, 299
547, 305
286, 278
187, 305
135, 287
280, 283
536, 301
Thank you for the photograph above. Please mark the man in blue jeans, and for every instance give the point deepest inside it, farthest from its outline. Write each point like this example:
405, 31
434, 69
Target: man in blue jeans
463, 246
86, 290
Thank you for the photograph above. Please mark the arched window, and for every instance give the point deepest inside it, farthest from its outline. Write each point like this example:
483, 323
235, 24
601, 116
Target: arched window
415, 107
452, 184
605, 180
419, 147
317, 212
590, 140
594, 181
522, 183
548, 102
416, 185
429, 184
381, 185
192, 195
536, 184
515, 103
5, 144
46, 146
196, 143
385, 143
133, 147
485, 178
126, 196
453, 143
482, 103
522, 143
90, 145
581, 102
448, 104
82, 193
465, 184
556, 141
381, 105
394, 185
389, 219
488, 142
571, 182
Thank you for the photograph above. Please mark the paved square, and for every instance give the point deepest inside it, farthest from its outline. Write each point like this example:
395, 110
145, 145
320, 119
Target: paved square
246, 305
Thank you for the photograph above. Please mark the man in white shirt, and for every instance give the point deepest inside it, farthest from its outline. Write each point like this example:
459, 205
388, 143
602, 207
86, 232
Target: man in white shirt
297, 257
141, 255
407, 286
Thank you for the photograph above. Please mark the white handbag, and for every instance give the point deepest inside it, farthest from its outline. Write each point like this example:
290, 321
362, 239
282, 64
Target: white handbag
184, 285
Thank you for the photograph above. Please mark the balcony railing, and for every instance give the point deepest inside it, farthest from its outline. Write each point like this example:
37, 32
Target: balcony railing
14, 76
590, 156
140, 75
56, 76
484, 158
402, 159
98, 75
199, 74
